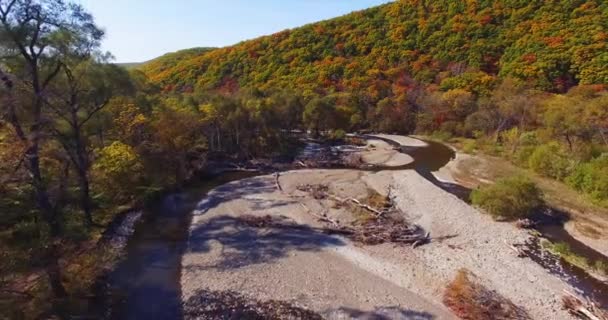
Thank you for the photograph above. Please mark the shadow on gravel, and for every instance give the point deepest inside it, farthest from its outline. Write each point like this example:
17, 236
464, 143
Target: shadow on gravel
238, 190
459, 191
243, 245
384, 313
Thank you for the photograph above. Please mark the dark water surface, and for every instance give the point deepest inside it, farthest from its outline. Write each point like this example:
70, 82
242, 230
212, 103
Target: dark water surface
146, 284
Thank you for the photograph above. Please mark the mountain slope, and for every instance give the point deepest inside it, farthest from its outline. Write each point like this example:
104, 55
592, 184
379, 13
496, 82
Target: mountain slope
386, 49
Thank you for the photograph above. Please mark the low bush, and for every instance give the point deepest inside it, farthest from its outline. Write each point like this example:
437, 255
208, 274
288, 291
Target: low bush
441, 136
470, 300
338, 134
551, 161
591, 178
522, 156
469, 146
509, 198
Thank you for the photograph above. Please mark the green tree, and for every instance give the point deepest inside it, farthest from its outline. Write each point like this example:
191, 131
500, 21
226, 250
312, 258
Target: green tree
82, 90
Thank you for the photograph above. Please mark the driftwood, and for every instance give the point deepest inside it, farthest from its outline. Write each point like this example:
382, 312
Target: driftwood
382, 228
322, 192
377, 212
371, 233
520, 253
583, 308
323, 217
277, 182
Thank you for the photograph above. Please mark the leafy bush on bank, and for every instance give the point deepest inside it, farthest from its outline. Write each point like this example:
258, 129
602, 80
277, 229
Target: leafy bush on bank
510, 198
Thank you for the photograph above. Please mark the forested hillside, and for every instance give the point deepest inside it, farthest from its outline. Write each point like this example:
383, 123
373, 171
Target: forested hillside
525, 79
383, 51
82, 139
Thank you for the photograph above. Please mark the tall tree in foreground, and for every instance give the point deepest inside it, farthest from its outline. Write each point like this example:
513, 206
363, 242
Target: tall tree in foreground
83, 89
35, 36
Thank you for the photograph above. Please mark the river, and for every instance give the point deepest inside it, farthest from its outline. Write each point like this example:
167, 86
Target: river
146, 283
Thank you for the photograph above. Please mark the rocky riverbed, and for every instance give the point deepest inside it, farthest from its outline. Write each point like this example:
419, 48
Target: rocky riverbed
337, 278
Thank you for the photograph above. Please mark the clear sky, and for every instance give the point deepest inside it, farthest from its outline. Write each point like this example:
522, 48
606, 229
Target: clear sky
139, 30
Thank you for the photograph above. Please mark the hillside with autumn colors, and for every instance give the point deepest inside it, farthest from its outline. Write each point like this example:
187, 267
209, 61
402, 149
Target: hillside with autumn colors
386, 50
106, 169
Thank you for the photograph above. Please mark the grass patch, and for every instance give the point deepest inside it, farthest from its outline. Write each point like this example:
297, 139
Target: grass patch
564, 251
470, 300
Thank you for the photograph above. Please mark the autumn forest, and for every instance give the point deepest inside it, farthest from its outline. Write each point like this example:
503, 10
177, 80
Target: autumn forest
82, 140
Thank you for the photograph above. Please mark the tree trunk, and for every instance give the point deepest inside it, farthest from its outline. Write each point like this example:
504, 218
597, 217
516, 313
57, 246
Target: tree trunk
85, 197
83, 175
53, 271
569, 142
219, 143
49, 214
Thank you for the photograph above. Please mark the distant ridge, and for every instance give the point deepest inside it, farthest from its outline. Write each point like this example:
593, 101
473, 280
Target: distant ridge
552, 45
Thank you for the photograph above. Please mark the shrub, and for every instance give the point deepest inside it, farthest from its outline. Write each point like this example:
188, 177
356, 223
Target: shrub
338, 134
509, 198
469, 146
471, 301
510, 138
522, 155
118, 167
441, 135
601, 267
453, 128
528, 138
550, 160
28, 233
591, 178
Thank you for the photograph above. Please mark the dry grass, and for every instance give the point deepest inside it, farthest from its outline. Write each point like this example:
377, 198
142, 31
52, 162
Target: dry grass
470, 300
374, 200
480, 169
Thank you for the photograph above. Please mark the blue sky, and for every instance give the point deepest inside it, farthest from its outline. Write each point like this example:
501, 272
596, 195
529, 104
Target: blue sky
139, 30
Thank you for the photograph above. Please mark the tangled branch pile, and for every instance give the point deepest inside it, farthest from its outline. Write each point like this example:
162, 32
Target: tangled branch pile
384, 230
321, 191
383, 226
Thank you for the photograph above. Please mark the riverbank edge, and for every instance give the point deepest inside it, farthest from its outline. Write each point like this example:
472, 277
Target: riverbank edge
453, 171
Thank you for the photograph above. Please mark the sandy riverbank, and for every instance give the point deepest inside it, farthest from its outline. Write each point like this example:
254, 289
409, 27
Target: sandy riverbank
378, 152
341, 280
